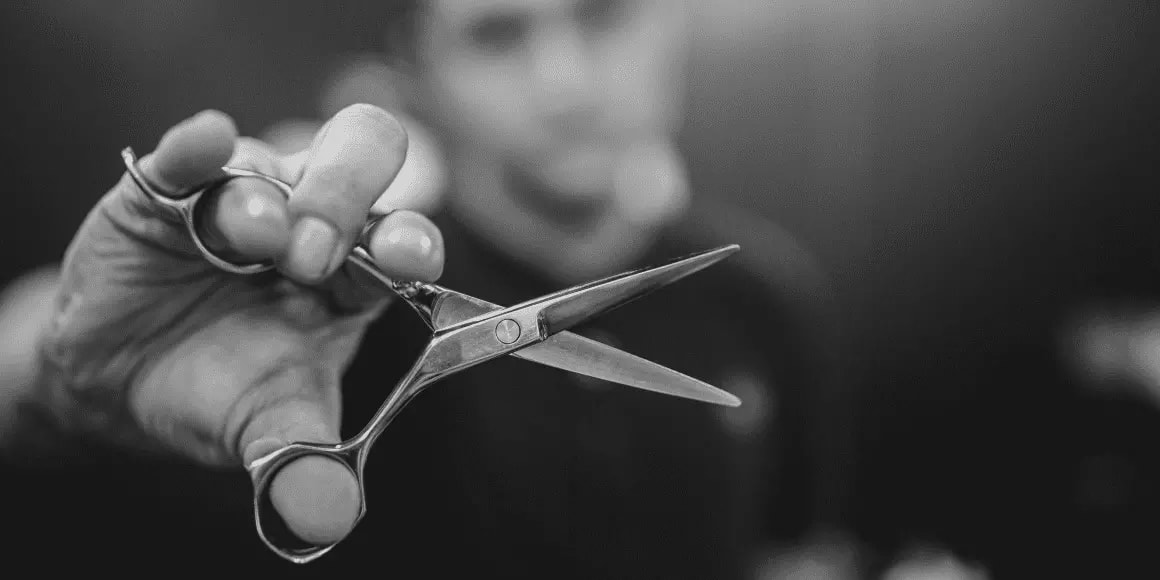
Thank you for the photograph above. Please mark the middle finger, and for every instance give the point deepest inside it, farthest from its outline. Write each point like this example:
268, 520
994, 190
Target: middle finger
353, 160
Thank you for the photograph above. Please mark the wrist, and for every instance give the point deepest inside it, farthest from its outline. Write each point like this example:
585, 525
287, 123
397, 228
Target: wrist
40, 418
25, 309
26, 306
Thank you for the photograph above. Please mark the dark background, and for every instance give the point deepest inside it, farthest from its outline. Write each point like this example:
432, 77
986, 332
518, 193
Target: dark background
968, 173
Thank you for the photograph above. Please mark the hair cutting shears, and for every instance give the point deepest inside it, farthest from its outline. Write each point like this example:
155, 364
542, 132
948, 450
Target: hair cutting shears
466, 331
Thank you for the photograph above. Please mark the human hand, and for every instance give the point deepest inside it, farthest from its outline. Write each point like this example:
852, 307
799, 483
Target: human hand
149, 345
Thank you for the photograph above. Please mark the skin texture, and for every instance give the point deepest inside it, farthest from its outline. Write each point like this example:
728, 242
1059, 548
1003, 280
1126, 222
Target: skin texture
149, 345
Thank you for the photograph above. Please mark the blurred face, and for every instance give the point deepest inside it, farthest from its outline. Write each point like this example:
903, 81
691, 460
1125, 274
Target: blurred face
552, 90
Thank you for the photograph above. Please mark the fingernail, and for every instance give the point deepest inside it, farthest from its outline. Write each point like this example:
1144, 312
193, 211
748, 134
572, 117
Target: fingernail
312, 248
409, 246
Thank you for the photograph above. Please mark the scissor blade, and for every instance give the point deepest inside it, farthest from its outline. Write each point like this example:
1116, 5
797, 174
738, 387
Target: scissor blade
572, 352
584, 302
577, 354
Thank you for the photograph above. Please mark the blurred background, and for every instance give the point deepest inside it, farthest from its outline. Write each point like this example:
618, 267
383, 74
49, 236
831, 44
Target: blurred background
977, 178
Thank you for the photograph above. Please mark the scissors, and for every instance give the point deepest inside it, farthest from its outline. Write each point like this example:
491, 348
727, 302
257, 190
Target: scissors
466, 331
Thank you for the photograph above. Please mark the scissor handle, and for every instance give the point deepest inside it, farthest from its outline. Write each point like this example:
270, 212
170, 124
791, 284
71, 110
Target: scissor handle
271, 527
351, 453
188, 206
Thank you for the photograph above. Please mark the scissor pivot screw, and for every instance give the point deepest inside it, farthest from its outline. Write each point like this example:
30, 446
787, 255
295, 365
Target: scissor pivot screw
507, 331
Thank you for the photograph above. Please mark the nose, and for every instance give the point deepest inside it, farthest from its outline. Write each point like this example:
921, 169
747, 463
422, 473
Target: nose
564, 73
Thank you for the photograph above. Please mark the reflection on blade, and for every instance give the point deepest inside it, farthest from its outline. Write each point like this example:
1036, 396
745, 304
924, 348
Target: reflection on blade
582, 303
575, 353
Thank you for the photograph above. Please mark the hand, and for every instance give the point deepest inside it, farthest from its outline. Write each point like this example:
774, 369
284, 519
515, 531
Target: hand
150, 345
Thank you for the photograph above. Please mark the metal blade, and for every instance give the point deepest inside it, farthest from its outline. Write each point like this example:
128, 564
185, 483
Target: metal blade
455, 307
576, 305
572, 352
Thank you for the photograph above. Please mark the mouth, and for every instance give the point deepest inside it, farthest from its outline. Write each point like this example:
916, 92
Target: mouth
574, 197
582, 159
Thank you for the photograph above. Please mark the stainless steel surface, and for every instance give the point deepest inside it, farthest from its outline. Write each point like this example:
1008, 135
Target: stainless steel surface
507, 331
572, 352
586, 301
184, 204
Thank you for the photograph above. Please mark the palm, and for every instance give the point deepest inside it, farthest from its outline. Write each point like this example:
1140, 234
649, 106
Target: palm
152, 346
188, 350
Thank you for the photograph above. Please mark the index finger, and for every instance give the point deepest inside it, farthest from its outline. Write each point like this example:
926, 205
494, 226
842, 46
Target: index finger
190, 152
355, 157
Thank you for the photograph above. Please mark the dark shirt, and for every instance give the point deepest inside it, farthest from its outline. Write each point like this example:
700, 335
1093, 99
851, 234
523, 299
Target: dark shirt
521, 470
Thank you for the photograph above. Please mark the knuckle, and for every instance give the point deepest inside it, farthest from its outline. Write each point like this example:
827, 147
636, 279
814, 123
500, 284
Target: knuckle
253, 154
335, 199
253, 146
333, 181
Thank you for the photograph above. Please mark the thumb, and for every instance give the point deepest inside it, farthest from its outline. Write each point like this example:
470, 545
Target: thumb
317, 497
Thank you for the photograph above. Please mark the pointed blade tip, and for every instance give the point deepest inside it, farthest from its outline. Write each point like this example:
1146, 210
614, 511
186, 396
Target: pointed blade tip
720, 253
707, 258
727, 399
715, 396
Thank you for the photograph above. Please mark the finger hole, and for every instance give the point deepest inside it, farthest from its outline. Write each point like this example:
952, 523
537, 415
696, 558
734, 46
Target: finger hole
317, 499
408, 246
246, 219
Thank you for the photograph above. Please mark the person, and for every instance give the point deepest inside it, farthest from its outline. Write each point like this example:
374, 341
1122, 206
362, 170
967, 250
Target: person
557, 119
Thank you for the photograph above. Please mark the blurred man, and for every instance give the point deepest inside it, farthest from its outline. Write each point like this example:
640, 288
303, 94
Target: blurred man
557, 122
556, 119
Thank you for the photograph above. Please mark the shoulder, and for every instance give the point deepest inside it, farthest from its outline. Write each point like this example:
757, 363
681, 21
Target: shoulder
771, 260
774, 285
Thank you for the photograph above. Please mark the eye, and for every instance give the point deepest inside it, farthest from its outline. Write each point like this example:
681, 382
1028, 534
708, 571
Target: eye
599, 15
499, 33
